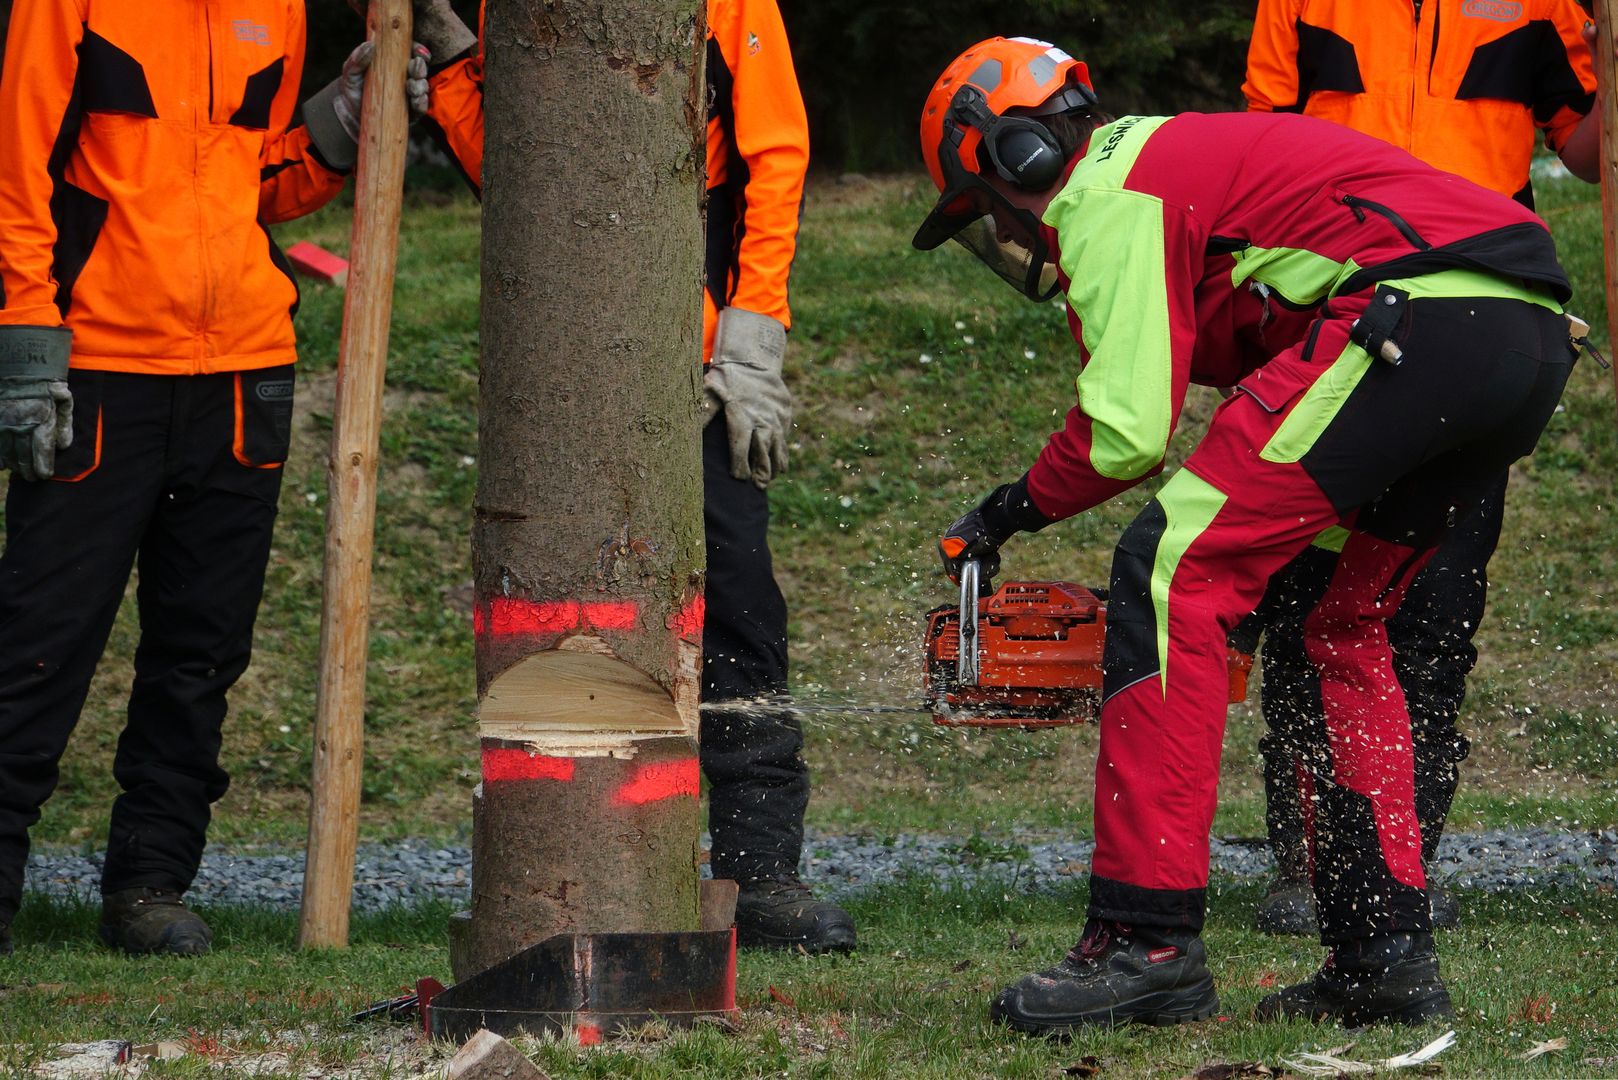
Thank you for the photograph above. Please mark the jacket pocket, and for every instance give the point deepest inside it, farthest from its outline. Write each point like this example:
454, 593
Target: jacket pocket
84, 456
1278, 383
263, 417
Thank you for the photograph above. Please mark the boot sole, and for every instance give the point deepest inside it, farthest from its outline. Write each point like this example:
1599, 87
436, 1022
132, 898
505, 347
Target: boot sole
755, 940
1164, 1008
1434, 1006
163, 948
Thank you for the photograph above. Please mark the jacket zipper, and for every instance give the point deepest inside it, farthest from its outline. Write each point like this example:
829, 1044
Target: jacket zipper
1359, 206
204, 121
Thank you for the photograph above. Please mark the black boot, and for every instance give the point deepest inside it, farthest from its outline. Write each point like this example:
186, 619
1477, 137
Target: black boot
1391, 978
5, 939
140, 921
1288, 908
1114, 975
781, 913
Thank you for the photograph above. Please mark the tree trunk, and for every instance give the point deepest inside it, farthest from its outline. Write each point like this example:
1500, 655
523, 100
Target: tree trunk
587, 540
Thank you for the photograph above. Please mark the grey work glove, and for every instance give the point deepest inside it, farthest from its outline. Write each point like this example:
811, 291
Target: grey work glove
745, 379
435, 24
441, 30
333, 114
36, 407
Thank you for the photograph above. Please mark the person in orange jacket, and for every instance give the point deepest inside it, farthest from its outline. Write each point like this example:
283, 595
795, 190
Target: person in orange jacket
1466, 86
758, 151
146, 382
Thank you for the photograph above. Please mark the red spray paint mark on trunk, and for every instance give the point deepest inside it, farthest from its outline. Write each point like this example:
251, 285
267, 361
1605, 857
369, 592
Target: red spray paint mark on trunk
509, 617
687, 622
589, 1035
660, 780
504, 763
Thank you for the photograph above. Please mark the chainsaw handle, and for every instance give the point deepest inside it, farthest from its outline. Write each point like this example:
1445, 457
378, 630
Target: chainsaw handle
966, 657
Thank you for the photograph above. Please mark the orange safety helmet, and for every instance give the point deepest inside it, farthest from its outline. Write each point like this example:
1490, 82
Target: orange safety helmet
983, 113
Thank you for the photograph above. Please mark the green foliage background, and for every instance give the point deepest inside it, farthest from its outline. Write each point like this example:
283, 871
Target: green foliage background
866, 65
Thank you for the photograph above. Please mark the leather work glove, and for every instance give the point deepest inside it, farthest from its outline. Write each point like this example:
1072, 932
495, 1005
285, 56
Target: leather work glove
745, 378
333, 114
978, 534
434, 24
36, 407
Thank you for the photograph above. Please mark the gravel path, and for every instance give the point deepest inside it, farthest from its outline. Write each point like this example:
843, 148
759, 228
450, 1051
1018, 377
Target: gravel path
844, 865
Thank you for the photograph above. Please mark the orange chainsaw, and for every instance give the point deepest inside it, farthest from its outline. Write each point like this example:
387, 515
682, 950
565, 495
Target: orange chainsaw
1030, 658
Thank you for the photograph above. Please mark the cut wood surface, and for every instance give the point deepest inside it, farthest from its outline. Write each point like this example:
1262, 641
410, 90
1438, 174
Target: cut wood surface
561, 692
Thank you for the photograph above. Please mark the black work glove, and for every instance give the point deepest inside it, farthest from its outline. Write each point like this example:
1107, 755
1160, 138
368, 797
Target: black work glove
978, 535
36, 407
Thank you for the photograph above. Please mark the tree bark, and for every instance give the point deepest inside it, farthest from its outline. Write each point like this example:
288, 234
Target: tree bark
587, 539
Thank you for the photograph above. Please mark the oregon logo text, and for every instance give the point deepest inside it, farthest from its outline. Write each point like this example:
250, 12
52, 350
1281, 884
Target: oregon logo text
1498, 10
275, 390
251, 32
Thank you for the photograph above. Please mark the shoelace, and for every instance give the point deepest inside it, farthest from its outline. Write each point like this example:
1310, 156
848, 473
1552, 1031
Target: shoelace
788, 889
1093, 944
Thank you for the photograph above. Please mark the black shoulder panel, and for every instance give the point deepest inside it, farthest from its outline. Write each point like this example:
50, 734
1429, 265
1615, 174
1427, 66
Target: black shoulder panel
112, 80
1528, 66
259, 96
1326, 61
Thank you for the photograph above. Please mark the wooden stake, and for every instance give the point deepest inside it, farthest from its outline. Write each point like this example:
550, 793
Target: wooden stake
1606, 14
351, 485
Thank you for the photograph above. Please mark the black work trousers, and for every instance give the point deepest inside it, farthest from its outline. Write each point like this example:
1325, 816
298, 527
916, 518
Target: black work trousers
178, 475
758, 784
1431, 637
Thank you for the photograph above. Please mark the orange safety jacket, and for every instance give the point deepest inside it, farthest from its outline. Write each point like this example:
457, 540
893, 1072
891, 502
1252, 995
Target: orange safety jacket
145, 147
758, 152
1461, 84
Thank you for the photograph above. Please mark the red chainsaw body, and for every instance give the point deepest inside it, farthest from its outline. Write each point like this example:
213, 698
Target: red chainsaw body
1039, 658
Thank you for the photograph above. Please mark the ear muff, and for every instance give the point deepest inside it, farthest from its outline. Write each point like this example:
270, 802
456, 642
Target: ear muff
1022, 150
1027, 156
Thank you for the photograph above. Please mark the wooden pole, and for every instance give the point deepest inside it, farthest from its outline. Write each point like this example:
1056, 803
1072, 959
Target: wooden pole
1606, 15
328, 879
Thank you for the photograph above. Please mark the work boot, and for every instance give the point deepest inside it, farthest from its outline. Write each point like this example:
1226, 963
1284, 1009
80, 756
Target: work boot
1288, 908
1114, 975
140, 921
1390, 978
5, 939
781, 913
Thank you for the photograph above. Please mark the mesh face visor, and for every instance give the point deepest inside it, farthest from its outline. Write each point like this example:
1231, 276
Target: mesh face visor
975, 215
1026, 268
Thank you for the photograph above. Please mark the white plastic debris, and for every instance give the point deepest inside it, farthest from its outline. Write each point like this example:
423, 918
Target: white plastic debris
1550, 1046
1332, 1065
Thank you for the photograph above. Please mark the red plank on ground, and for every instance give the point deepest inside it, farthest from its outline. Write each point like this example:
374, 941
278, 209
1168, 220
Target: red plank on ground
312, 260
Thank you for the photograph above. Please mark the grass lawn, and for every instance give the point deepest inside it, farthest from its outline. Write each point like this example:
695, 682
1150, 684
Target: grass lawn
912, 1003
921, 382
